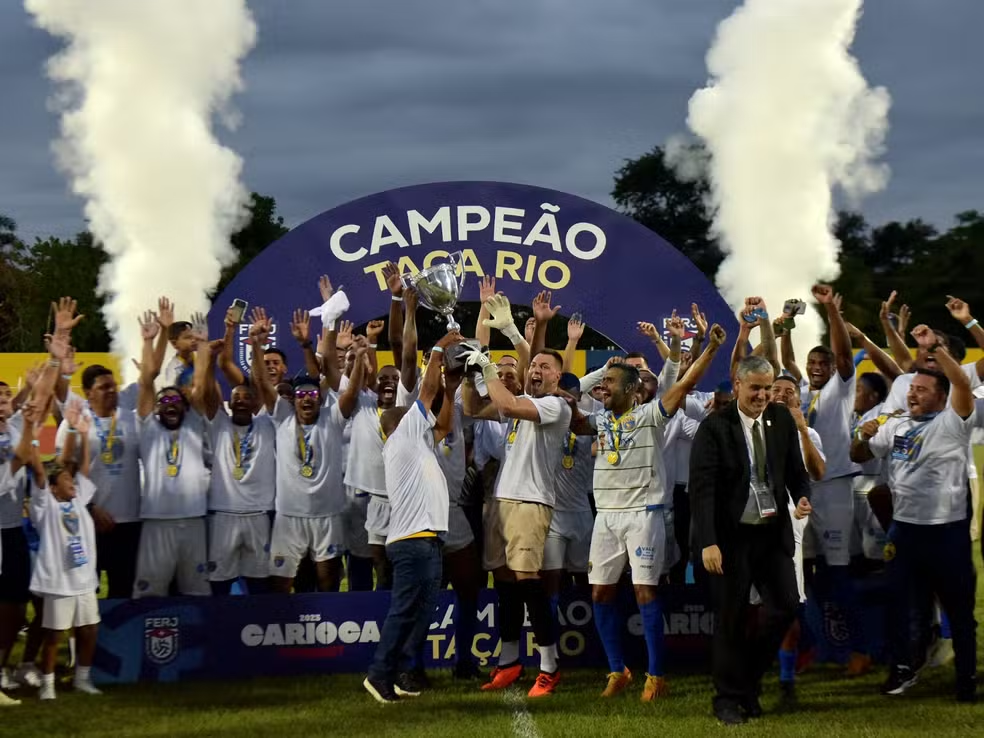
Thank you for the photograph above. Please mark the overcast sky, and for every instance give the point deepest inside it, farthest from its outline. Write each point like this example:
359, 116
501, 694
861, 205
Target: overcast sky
350, 97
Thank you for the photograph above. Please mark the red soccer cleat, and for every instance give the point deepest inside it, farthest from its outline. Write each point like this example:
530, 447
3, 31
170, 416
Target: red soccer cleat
502, 676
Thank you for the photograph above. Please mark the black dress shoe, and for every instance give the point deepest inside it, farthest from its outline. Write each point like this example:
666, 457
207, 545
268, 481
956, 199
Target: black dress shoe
728, 714
752, 707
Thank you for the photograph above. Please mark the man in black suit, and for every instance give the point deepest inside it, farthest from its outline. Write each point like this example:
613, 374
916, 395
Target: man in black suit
745, 460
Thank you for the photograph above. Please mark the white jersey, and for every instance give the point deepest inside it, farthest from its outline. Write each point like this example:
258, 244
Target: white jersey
175, 476
678, 439
11, 491
489, 441
816, 441
451, 450
317, 448
114, 463
927, 466
533, 453
66, 560
418, 492
575, 475
830, 412
870, 470
177, 373
251, 449
364, 470
628, 470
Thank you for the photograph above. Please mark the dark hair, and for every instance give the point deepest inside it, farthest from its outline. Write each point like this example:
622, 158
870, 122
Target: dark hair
91, 373
876, 383
825, 351
787, 378
957, 348
52, 470
941, 381
635, 355
555, 354
4, 384
631, 376
177, 328
278, 352
244, 385
304, 381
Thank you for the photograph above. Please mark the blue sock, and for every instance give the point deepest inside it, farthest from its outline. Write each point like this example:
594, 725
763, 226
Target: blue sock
945, 631
606, 621
554, 606
787, 665
652, 628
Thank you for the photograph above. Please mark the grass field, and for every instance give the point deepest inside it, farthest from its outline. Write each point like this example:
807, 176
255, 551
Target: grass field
337, 706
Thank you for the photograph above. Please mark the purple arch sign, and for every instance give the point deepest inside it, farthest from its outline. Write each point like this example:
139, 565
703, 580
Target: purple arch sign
597, 262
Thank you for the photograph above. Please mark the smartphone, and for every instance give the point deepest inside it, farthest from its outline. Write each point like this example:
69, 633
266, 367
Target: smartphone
755, 315
794, 307
239, 308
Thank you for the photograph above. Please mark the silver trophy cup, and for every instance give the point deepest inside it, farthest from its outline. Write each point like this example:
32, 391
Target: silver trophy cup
439, 288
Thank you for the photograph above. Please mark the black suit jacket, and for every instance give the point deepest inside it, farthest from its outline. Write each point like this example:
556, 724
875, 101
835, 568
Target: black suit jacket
720, 473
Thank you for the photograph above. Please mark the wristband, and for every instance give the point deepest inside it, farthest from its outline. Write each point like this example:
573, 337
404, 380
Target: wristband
36, 443
397, 298
73, 430
438, 349
373, 346
67, 377
54, 362
971, 324
512, 333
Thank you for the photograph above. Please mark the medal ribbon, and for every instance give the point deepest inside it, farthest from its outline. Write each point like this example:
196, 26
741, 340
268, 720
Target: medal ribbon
569, 448
304, 449
615, 429
512, 431
379, 414
6, 448
174, 452
242, 448
106, 440
811, 411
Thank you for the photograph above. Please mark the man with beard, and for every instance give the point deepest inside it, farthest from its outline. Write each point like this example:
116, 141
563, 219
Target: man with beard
631, 496
309, 469
174, 497
243, 485
519, 515
115, 471
929, 541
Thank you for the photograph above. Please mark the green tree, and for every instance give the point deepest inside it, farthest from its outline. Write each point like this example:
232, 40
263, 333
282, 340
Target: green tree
651, 191
264, 227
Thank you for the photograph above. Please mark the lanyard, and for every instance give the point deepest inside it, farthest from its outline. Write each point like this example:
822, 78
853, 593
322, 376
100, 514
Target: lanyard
615, 429
511, 438
106, 440
811, 411
69, 518
379, 415
6, 452
174, 453
568, 461
305, 450
242, 447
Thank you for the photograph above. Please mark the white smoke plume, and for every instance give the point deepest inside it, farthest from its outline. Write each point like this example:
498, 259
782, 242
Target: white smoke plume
787, 117
139, 85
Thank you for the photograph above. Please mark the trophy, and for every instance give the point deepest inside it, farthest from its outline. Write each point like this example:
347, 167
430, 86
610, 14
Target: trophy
438, 288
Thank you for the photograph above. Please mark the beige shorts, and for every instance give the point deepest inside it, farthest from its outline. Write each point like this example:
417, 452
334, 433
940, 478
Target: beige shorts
515, 533
74, 611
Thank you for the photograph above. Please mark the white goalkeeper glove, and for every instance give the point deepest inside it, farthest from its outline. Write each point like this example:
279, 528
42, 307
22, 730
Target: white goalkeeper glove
502, 319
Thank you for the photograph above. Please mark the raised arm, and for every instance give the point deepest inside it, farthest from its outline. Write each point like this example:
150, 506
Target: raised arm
652, 333
741, 346
259, 334
227, 364
840, 339
882, 361
395, 333
431, 383
26, 453
373, 331
501, 318
767, 336
203, 397
486, 289
543, 313
961, 395
676, 395
300, 329
700, 322
816, 467
895, 339
960, 311
502, 399
408, 368
349, 399
150, 362
575, 329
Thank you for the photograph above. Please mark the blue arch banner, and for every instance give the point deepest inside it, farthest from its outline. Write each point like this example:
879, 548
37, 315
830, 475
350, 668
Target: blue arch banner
596, 261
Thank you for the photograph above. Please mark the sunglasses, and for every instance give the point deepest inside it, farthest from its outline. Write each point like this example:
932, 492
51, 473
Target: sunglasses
170, 400
301, 394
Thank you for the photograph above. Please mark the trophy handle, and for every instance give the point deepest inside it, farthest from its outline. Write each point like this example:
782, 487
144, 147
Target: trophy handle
458, 263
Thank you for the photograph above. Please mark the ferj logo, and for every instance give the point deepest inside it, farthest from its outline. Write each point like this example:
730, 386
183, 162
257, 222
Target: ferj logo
161, 639
244, 354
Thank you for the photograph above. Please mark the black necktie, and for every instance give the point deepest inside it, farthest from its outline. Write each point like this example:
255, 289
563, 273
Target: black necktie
758, 451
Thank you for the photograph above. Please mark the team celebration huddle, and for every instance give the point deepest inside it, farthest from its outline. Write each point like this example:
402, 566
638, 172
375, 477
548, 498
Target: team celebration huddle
780, 483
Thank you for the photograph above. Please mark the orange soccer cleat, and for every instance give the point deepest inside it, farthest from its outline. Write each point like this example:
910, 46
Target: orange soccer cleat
655, 687
617, 682
545, 684
502, 676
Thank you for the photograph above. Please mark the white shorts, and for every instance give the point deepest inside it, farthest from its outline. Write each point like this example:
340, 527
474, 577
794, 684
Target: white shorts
638, 537
354, 522
568, 543
869, 536
831, 522
294, 538
378, 520
73, 611
459, 533
238, 546
172, 549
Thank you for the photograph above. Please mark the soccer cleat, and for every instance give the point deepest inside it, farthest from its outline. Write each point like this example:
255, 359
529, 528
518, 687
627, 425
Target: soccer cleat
406, 685
47, 692
655, 687
502, 676
7, 680
29, 675
617, 682
6, 701
858, 665
899, 680
545, 684
381, 691
85, 686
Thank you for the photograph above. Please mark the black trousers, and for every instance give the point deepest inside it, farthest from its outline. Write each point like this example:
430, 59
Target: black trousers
116, 554
740, 657
681, 528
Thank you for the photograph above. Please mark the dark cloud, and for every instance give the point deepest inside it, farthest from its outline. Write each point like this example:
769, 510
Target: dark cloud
348, 98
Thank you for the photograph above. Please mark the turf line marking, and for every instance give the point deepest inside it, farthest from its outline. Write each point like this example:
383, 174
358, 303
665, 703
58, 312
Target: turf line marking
523, 723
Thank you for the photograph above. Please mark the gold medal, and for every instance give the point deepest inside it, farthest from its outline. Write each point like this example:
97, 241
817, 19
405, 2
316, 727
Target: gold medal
447, 450
238, 473
568, 462
511, 438
613, 458
307, 471
172, 470
106, 457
